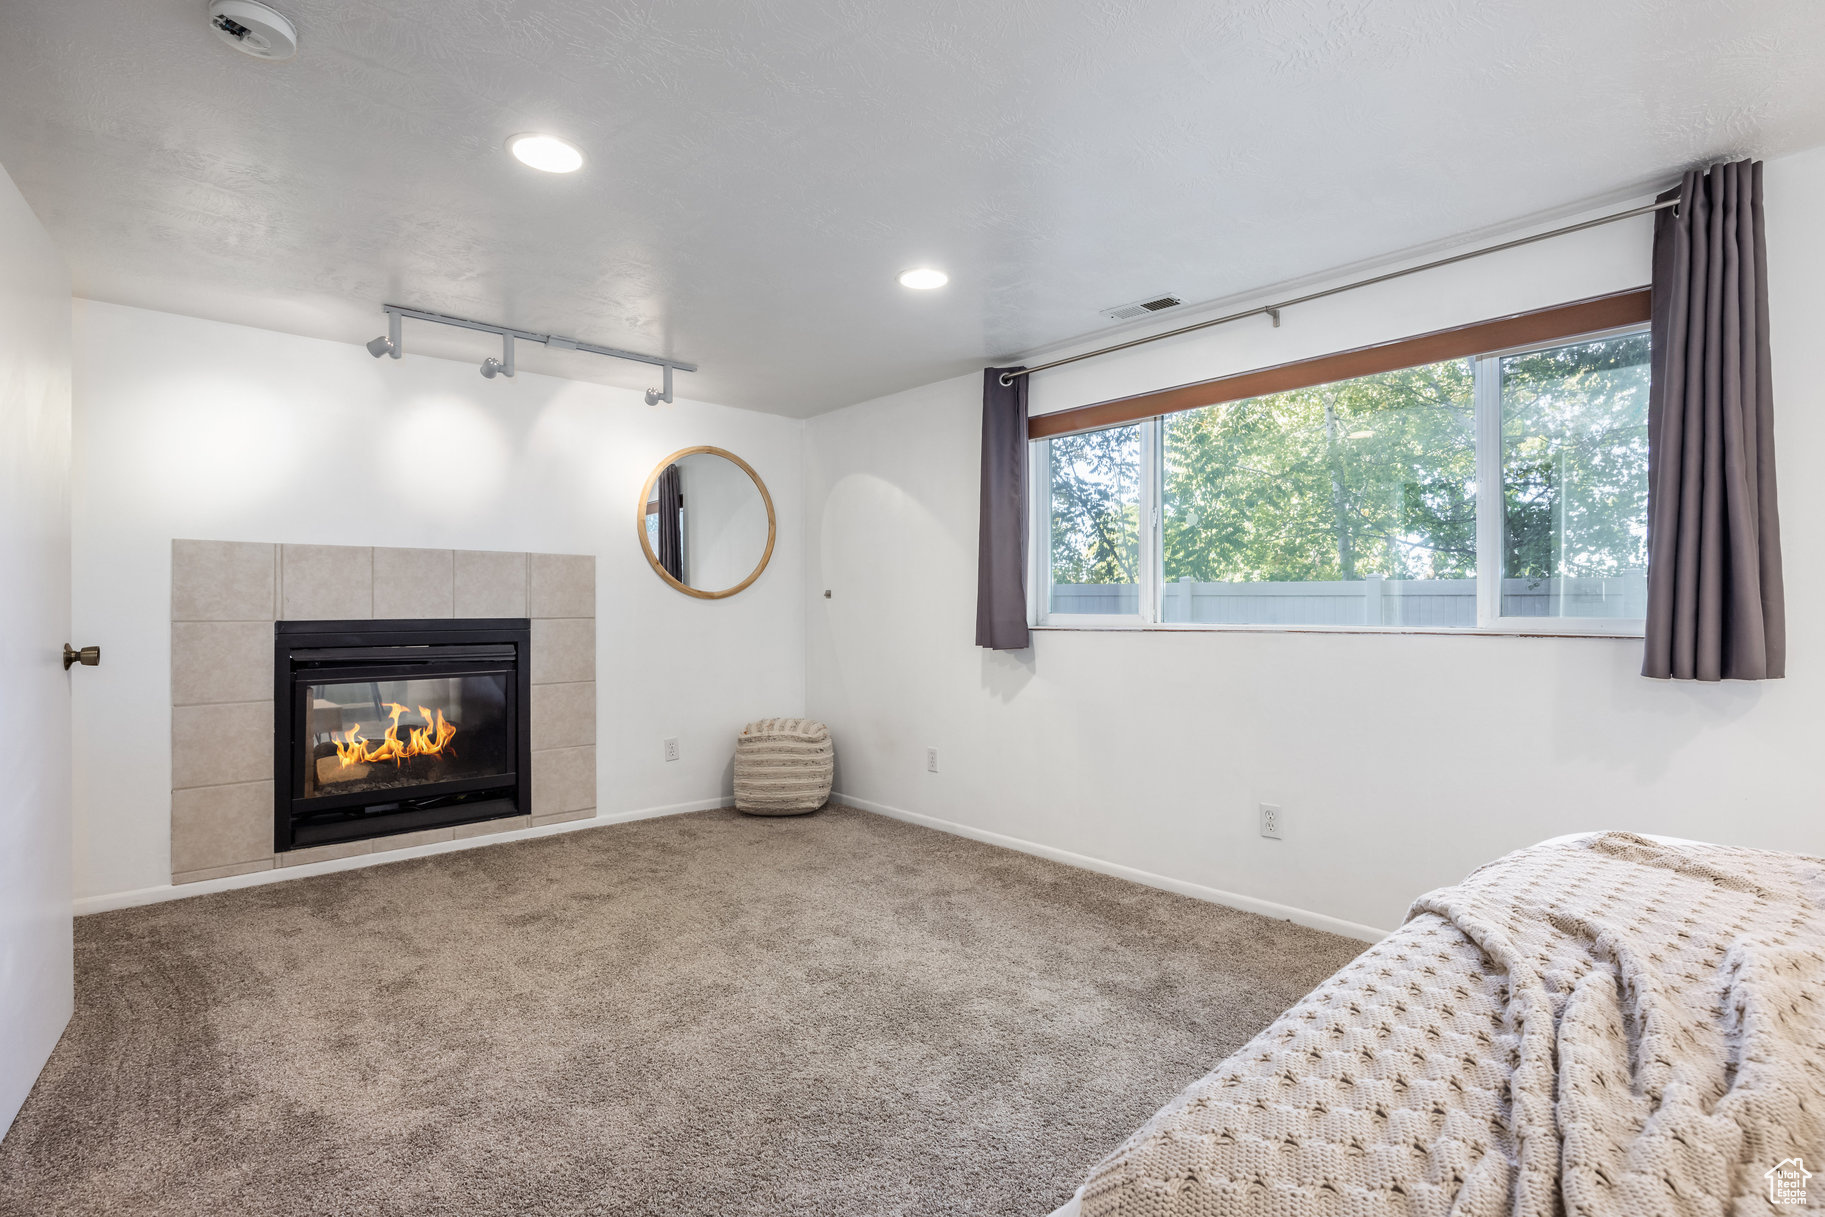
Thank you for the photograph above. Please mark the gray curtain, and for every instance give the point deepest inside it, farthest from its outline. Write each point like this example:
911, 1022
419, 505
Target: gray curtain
1001, 551
1715, 604
671, 535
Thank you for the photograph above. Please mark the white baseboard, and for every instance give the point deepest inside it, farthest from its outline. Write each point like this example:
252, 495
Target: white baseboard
1250, 904
181, 891
1235, 900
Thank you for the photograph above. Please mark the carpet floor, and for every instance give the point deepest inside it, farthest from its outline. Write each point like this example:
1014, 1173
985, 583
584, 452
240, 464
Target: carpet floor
706, 1014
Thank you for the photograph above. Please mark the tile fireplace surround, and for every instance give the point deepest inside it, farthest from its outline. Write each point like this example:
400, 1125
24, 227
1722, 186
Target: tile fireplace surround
225, 597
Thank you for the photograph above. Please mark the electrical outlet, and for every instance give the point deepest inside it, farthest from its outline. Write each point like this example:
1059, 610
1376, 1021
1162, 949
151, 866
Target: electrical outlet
1270, 821
671, 749
931, 760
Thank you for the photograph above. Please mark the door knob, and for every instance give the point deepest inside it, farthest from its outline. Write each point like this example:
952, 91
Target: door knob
88, 657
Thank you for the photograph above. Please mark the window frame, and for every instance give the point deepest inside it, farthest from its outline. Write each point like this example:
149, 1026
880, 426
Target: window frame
1490, 528
1490, 518
1039, 547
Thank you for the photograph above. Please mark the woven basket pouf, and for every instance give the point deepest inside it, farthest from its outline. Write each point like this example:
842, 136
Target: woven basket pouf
783, 767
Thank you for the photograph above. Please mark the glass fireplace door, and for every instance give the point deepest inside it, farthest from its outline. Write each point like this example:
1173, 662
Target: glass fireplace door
387, 736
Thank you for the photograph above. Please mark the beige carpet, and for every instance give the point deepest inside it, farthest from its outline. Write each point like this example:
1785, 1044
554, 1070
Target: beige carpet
705, 1014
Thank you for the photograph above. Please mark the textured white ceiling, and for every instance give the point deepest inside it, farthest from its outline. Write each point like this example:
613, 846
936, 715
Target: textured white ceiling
759, 171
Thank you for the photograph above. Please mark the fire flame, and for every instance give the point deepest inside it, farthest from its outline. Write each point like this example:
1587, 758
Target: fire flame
428, 740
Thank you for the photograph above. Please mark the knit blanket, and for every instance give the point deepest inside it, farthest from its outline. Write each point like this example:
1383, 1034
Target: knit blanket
1607, 1026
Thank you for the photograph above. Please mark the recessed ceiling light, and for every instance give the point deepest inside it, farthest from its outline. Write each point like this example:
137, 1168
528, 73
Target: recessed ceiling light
923, 278
545, 152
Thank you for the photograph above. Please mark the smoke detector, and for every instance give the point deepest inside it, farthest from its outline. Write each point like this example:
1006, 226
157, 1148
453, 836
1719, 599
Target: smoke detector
1140, 308
249, 26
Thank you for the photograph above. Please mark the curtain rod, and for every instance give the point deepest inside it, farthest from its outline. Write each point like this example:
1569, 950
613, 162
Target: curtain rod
1273, 310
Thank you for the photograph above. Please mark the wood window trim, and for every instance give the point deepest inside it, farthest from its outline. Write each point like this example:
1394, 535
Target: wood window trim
1535, 328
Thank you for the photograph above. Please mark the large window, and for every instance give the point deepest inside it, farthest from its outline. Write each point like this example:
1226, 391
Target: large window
1366, 502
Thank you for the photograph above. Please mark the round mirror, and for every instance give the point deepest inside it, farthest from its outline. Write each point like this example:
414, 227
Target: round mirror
706, 521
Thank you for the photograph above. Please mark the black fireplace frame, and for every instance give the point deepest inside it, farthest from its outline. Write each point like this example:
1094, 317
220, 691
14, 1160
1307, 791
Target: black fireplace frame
432, 646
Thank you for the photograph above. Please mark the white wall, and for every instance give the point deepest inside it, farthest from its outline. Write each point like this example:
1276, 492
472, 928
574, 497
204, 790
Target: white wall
35, 949
187, 428
1401, 761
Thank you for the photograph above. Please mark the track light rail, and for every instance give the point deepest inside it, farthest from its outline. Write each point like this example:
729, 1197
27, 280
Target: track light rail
492, 367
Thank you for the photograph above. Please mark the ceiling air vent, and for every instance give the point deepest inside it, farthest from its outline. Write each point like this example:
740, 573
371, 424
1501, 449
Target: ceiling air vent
1140, 308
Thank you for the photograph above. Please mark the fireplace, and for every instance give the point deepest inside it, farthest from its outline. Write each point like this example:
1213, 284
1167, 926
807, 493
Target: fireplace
385, 727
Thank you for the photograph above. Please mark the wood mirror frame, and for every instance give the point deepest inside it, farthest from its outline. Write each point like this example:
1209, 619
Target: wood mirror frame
646, 497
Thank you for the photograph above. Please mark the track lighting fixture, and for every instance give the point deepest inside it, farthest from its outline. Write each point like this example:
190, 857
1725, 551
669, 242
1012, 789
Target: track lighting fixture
503, 366
390, 344
492, 367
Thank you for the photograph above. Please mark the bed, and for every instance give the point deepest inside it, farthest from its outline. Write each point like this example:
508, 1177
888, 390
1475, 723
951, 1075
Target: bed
1603, 1024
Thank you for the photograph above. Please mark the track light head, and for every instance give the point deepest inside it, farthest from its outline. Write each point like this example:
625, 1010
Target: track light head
655, 396
392, 343
492, 367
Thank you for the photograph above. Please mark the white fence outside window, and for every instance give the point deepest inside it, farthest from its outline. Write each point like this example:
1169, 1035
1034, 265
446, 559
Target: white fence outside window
1414, 603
